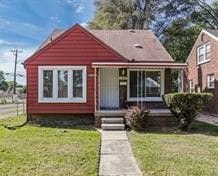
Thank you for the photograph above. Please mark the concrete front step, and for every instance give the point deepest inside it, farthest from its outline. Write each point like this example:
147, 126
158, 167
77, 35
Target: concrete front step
113, 120
112, 126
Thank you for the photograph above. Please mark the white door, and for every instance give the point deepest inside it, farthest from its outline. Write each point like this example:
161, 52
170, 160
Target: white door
109, 85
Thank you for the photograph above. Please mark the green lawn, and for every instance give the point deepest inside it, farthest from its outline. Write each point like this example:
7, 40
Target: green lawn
37, 151
184, 154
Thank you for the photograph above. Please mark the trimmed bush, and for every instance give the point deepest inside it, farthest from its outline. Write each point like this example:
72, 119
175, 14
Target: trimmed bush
186, 106
136, 117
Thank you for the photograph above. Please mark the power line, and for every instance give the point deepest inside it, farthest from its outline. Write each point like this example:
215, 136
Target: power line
15, 53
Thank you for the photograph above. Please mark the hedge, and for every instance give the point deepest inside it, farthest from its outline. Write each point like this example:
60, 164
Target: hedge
186, 106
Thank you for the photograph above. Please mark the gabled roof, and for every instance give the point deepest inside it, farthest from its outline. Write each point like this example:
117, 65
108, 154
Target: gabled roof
213, 32
54, 34
133, 45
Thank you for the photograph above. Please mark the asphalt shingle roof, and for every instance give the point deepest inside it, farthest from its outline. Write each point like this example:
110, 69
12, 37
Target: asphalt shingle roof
135, 45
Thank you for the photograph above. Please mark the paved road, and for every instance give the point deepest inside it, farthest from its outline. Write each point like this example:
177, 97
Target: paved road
9, 109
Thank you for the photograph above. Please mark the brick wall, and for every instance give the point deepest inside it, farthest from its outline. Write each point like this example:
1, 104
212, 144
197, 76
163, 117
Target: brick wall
198, 73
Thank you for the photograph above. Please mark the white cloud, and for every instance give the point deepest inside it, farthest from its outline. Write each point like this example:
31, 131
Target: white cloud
31, 26
4, 42
4, 23
84, 24
55, 19
77, 5
80, 8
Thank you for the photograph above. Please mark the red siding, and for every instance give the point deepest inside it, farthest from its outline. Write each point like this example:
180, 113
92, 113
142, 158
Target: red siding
76, 48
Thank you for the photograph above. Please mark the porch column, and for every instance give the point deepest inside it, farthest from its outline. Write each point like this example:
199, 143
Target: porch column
96, 90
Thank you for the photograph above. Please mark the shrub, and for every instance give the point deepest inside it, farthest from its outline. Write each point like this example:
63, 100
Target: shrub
136, 117
186, 106
3, 101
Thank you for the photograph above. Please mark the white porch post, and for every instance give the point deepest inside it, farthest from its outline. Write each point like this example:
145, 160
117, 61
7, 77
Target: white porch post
95, 99
181, 81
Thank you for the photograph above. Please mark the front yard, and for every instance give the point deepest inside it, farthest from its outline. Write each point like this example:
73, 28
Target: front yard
193, 153
32, 150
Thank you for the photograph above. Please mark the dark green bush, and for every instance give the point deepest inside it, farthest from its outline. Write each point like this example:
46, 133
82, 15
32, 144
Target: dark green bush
136, 117
186, 106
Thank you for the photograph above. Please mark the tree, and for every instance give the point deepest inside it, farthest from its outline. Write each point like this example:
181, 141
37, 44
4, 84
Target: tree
123, 14
3, 83
177, 23
179, 39
206, 15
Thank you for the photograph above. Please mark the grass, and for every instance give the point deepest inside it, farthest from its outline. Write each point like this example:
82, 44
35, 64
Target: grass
193, 153
32, 150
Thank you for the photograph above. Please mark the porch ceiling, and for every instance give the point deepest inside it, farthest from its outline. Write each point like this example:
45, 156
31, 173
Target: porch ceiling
138, 65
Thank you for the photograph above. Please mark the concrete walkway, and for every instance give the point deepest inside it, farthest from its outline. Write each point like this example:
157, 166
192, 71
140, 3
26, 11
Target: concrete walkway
116, 155
208, 119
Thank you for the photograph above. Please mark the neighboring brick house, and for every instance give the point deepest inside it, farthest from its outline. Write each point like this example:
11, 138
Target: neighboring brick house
202, 67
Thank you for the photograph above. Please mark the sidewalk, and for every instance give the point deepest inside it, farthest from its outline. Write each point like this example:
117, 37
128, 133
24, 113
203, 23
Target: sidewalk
116, 155
208, 119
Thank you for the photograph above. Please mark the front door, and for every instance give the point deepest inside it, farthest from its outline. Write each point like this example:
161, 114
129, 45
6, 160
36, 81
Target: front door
109, 88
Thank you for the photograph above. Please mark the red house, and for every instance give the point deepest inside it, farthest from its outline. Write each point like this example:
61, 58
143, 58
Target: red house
80, 71
202, 67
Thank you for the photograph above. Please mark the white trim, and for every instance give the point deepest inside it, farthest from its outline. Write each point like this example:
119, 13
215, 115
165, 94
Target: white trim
141, 65
191, 86
55, 98
146, 98
209, 81
209, 34
99, 89
205, 60
95, 89
194, 46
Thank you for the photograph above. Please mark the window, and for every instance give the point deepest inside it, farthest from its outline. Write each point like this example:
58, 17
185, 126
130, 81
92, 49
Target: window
77, 83
47, 83
145, 84
210, 81
62, 84
208, 51
204, 53
152, 83
191, 86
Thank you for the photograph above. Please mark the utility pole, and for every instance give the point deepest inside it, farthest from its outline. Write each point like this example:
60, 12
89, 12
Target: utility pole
15, 53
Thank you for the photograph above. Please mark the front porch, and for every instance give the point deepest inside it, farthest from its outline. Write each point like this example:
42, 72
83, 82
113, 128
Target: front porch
119, 86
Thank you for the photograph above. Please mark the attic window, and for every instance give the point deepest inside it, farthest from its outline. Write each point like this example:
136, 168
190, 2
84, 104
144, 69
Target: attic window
137, 45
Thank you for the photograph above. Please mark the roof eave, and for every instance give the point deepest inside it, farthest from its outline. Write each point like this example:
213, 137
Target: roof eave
139, 64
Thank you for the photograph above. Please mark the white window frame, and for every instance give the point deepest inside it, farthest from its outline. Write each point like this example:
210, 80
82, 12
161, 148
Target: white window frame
191, 86
131, 99
55, 99
205, 59
209, 81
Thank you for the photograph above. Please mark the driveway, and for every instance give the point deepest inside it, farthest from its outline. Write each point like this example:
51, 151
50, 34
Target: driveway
211, 119
7, 110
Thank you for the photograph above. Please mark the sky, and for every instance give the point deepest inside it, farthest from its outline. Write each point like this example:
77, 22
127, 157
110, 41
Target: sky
24, 24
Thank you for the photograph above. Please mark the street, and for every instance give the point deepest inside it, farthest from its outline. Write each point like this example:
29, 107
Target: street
7, 110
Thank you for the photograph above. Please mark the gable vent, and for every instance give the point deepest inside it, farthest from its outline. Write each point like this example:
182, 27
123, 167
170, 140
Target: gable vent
137, 45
